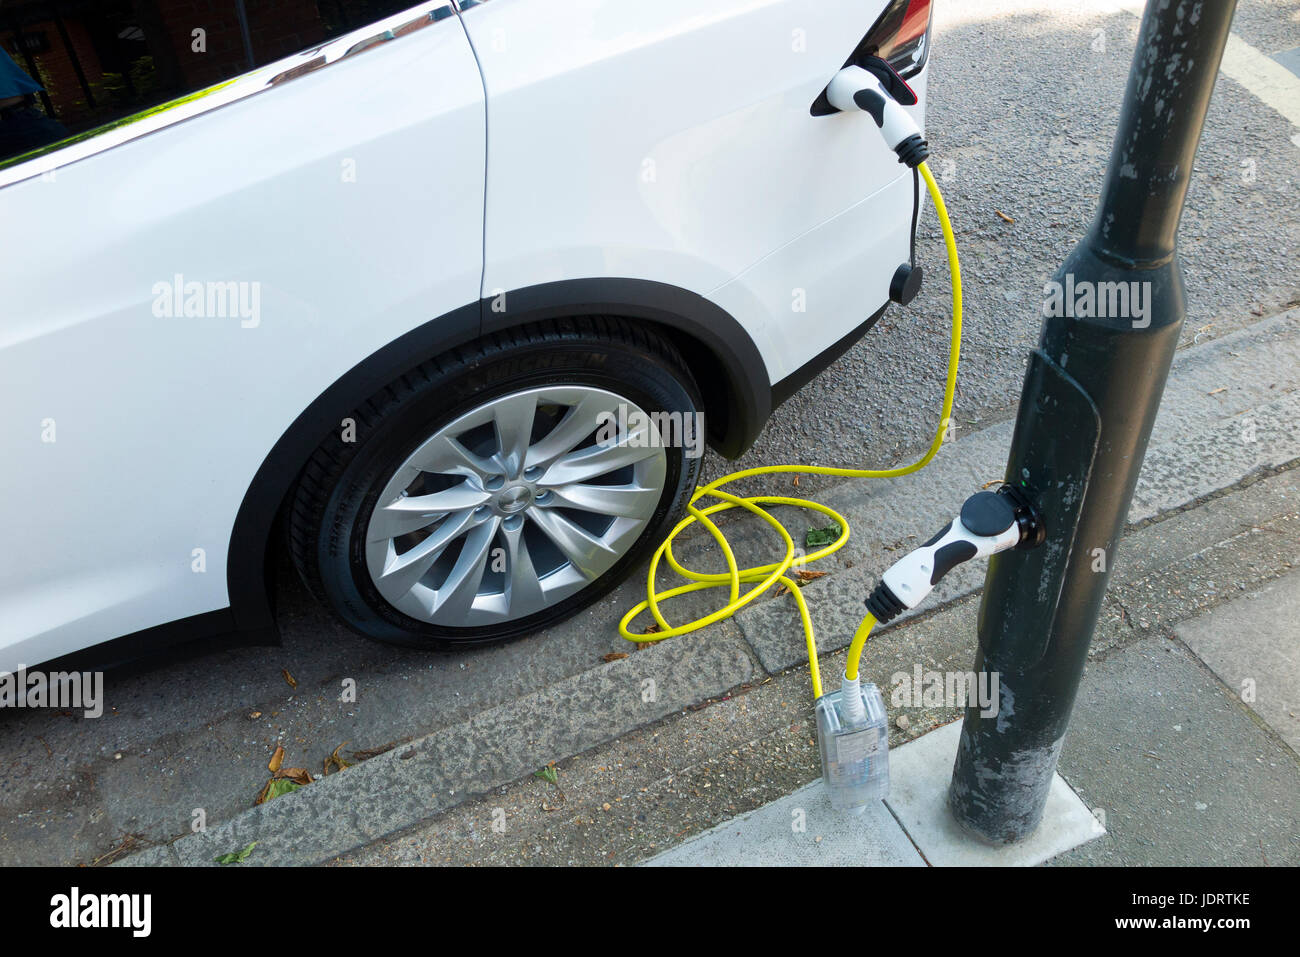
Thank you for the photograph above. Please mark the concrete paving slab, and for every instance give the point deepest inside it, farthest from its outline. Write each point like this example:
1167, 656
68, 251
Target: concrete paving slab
1179, 770
1184, 565
800, 830
920, 772
1253, 644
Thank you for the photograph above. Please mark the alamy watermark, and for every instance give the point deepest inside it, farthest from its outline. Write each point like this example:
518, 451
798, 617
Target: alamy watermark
1084, 299
631, 427
75, 909
178, 298
57, 689
946, 689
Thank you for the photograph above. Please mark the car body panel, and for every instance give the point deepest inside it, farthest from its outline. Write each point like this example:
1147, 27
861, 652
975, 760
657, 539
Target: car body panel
159, 424
673, 141
389, 196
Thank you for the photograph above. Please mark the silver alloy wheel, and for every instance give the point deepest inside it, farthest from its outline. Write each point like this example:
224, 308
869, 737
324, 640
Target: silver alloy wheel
515, 506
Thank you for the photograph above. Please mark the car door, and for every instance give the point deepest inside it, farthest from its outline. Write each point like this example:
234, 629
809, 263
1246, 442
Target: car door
181, 283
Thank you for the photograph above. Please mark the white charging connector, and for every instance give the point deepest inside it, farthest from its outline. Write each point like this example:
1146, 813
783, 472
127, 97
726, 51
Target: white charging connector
914, 576
990, 522
855, 88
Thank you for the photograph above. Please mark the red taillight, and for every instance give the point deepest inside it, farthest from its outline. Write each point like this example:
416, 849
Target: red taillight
915, 22
900, 35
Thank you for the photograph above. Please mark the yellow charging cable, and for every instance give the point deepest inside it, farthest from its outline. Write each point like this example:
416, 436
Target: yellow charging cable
765, 576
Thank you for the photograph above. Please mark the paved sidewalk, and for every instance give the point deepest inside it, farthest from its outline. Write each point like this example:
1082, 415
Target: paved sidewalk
911, 828
1173, 763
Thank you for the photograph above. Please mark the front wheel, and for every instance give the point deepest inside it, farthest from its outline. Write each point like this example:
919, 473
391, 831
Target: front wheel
502, 487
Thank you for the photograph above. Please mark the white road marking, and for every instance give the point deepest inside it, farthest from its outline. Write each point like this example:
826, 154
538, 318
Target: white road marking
1276, 86
1262, 76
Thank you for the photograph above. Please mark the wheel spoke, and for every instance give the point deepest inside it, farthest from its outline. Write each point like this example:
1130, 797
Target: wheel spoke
411, 513
591, 463
513, 417
579, 422
445, 455
456, 596
524, 591
403, 571
587, 552
625, 501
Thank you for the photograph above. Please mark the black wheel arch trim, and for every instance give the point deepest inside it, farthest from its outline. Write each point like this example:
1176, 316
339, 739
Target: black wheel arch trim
737, 395
728, 367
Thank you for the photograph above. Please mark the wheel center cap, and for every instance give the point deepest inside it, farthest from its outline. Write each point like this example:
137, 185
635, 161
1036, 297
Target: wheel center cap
515, 499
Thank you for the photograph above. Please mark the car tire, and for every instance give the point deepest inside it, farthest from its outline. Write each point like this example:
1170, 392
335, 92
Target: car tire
544, 530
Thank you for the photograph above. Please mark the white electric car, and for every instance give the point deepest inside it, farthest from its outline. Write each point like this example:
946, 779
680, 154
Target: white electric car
373, 301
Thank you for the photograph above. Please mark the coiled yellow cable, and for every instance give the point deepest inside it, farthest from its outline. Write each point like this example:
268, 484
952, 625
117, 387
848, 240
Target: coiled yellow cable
764, 577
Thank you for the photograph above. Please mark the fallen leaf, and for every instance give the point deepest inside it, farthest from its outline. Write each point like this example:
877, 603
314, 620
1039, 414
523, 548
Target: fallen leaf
298, 776
289, 678
796, 481
275, 788
277, 759
815, 537
336, 761
808, 576
236, 857
615, 656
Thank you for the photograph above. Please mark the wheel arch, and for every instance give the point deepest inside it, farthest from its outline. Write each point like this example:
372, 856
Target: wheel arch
722, 357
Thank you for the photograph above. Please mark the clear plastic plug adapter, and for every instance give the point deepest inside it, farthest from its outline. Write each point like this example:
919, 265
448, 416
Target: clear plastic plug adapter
853, 734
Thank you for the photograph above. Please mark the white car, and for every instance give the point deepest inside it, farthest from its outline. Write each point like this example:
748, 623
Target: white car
374, 303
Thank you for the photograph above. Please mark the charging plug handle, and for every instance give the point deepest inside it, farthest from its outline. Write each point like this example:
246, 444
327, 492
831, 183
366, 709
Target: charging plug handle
990, 522
854, 88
